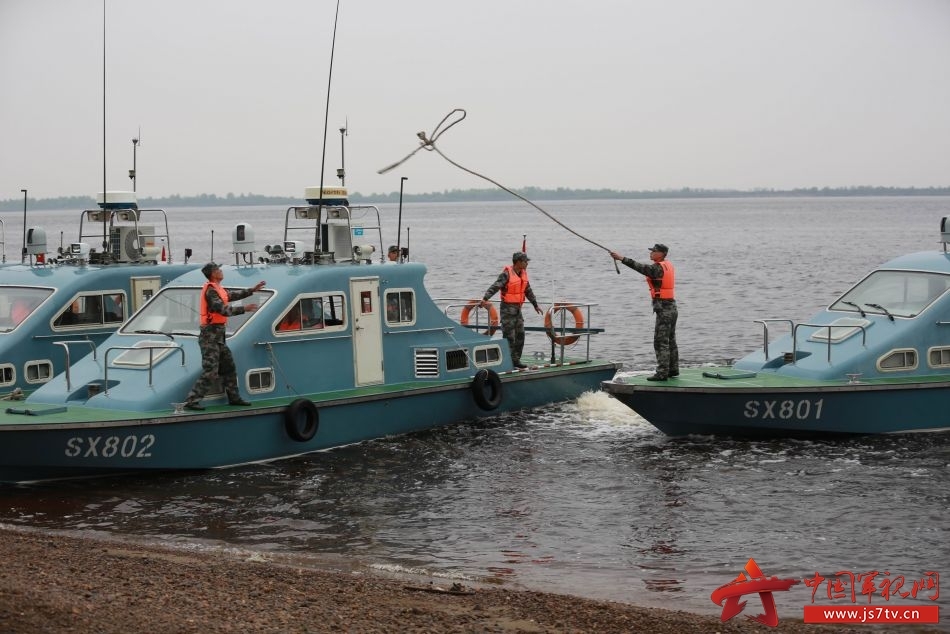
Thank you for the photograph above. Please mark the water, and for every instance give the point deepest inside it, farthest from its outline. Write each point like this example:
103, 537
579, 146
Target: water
583, 498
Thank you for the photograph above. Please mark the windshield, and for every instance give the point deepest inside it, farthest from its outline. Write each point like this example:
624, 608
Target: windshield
18, 302
175, 311
898, 293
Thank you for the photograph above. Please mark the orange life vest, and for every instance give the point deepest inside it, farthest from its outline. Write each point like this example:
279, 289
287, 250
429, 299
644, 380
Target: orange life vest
206, 317
513, 293
665, 290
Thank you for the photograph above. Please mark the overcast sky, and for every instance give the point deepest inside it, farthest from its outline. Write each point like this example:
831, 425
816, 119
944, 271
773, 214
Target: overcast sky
624, 94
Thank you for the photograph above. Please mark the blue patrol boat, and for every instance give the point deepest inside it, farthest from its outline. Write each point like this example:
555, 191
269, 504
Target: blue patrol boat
876, 361
58, 305
343, 348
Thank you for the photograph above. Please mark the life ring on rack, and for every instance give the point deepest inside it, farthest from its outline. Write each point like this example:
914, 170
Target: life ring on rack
301, 420
493, 321
564, 340
486, 389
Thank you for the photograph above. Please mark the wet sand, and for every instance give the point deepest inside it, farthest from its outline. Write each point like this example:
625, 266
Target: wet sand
58, 583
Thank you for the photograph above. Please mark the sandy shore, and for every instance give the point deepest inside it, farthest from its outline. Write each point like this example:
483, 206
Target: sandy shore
55, 583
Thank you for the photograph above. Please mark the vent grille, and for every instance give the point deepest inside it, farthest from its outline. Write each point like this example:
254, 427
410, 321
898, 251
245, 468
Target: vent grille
427, 363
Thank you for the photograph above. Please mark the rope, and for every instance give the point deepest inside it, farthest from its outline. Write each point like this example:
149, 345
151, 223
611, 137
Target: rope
428, 143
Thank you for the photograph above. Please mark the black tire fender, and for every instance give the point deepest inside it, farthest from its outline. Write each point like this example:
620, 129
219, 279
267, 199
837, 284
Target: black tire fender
301, 420
486, 389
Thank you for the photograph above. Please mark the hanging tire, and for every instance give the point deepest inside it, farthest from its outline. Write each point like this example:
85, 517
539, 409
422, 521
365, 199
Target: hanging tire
301, 420
486, 389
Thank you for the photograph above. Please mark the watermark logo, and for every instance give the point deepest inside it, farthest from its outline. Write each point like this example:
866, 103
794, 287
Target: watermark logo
752, 581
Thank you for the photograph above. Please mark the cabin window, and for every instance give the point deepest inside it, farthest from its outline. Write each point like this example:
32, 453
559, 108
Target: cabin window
427, 363
400, 307
898, 293
175, 311
487, 355
313, 313
38, 371
260, 380
939, 357
93, 310
7, 375
17, 303
456, 360
898, 360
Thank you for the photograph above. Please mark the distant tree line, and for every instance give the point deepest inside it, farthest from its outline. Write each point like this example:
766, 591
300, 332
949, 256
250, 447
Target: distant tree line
477, 195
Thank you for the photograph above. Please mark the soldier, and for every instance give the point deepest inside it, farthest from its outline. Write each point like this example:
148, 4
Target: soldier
514, 286
660, 280
392, 255
216, 359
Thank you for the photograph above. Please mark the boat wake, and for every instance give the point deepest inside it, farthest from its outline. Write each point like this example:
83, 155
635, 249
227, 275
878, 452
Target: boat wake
599, 414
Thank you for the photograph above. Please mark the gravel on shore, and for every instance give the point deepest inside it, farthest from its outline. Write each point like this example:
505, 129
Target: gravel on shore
50, 582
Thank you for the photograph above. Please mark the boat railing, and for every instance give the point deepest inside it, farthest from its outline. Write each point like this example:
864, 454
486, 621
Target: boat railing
864, 336
151, 359
560, 334
65, 345
109, 217
765, 331
334, 214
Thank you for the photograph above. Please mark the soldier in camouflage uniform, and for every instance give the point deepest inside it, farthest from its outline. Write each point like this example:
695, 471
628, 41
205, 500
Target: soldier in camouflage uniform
216, 359
660, 281
515, 288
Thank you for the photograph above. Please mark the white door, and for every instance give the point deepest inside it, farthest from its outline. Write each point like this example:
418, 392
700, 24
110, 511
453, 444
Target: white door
367, 330
142, 290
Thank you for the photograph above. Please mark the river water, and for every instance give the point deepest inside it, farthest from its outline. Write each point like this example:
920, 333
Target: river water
585, 497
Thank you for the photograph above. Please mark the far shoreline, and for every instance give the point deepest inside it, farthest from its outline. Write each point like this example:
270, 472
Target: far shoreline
484, 195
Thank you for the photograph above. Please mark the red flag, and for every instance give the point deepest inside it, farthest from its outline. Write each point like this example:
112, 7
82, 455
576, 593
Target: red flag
524, 243
163, 253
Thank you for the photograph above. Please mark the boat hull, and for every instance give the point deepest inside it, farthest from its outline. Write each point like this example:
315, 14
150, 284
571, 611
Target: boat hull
762, 407
53, 444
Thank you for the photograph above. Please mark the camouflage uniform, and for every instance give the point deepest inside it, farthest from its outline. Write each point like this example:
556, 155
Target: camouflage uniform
664, 332
512, 321
216, 360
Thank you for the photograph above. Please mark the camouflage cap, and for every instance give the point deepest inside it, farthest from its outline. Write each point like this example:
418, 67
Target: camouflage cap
662, 248
519, 256
208, 268
393, 249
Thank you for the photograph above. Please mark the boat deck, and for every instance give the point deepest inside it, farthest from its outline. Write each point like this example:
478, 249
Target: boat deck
19, 413
725, 378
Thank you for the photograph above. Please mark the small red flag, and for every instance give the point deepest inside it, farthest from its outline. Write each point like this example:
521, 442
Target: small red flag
163, 253
524, 243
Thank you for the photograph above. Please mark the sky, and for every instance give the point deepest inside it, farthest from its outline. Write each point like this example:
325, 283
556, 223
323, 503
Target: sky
231, 95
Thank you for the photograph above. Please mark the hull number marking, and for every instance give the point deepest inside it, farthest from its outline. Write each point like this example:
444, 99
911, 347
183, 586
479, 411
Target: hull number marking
110, 446
804, 409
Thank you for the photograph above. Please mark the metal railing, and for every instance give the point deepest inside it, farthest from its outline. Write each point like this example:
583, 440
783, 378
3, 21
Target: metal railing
151, 359
65, 345
557, 332
864, 335
765, 331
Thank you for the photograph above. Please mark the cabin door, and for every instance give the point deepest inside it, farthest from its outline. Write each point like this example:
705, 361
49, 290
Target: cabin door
367, 330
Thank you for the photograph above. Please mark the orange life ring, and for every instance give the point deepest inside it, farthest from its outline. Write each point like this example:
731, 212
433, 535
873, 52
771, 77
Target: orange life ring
493, 321
564, 340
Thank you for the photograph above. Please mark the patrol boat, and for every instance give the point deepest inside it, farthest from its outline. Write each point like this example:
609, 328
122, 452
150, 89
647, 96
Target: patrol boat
342, 349
876, 361
57, 308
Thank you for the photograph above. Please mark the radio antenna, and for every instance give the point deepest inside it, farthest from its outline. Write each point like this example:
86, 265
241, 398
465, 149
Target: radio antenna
326, 115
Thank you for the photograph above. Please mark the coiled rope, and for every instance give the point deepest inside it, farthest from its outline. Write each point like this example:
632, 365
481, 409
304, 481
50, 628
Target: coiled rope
427, 142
